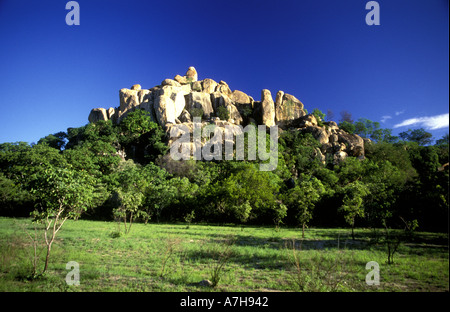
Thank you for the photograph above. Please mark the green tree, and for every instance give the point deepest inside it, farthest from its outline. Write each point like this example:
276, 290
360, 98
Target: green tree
62, 193
396, 154
13, 198
130, 193
384, 182
420, 136
350, 170
84, 158
184, 194
104, 131
223, 113
442, 146
159, 197
302, 199
136, 124
428, 194
366, 128
353, 202
444, 141
95, 146
384, 135
247, 193
161, 191
347, 126
103, 155
320, 116
299, 152
143, 139
20, 161
56, 140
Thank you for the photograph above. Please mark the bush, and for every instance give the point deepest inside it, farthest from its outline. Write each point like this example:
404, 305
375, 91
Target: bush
222, 113
196, 112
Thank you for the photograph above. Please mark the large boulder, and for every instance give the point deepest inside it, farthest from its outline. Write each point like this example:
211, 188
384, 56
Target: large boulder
307, 121
132, 99
208, 85
240, 98
185, 116
287, 109
169, 103
112, 114
195, 100
170, 82
339, 157
197, 86
353, 142
98, 114
191, 74
332, 126
143, 95
243, 103
219, 99
180, 79
223, 87
128, 99
267, 108
319, 133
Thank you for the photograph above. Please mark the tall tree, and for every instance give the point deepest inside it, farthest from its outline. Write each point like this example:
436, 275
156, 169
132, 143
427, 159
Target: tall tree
330, 115
301, 199
130, 193
419, 136
346, 116
142, 138
247, 194
353, 202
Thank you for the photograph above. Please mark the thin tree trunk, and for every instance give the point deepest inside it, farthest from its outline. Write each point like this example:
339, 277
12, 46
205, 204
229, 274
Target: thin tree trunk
131, 222
125, 222
55, 230
353, 227
49, 247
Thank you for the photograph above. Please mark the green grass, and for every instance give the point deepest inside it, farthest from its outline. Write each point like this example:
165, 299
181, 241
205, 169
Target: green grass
170, 257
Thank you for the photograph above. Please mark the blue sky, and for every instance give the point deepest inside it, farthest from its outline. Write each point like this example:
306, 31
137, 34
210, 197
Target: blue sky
322, 52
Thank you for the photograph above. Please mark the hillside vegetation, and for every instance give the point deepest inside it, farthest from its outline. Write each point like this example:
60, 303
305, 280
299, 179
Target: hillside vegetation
126, 173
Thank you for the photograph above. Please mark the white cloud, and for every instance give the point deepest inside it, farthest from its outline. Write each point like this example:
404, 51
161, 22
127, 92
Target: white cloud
430, 123
384, 118
399, 113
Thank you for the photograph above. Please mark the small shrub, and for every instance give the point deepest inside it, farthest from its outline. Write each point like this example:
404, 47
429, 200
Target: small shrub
188, 218
393, 239
246, 111
115, 234
196, 112
223, 113
170, 249
321, 272
221, 255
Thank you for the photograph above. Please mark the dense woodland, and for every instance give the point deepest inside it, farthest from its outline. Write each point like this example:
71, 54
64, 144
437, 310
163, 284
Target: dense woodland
124, 172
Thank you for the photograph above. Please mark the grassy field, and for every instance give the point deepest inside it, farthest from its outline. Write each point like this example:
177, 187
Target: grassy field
172, 257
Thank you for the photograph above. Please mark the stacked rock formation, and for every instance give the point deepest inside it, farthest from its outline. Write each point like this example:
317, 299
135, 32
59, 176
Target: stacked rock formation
176, 101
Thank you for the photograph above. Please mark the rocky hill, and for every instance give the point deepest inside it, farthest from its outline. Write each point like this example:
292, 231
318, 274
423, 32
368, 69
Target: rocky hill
175, 102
